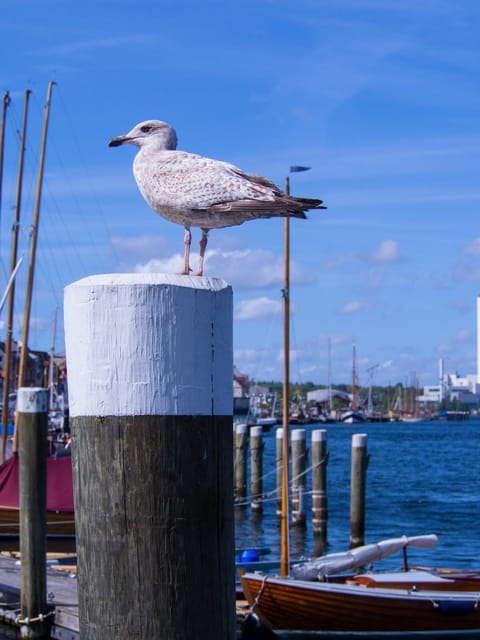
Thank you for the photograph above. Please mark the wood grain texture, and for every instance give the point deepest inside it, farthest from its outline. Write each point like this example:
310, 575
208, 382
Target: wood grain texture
154, 522
32, 434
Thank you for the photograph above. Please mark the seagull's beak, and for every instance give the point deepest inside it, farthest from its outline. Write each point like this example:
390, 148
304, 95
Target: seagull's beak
116, 142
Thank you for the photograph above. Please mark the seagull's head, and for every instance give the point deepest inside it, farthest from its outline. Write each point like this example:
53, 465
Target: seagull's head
152, 133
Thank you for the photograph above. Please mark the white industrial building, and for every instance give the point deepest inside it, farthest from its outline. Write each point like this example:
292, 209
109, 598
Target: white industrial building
451, 386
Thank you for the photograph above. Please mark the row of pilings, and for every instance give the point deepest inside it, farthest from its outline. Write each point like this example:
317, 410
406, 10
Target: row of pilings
308, 468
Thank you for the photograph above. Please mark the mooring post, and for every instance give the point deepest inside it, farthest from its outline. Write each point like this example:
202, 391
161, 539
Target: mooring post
150, 366
256, 469
319, 488
279, 468
299, 465
32, 454
240, 469
358, 489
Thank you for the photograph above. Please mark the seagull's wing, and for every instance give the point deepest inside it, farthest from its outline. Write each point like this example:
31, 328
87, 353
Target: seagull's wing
203, 182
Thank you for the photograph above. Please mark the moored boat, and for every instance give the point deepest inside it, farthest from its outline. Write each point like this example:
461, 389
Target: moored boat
427, 604
317, 598
60, 509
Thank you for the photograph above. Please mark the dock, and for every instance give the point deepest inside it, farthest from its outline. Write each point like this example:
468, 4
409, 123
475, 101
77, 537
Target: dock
62, 596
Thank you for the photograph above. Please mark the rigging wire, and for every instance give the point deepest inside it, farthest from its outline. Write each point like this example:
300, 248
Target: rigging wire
99, 213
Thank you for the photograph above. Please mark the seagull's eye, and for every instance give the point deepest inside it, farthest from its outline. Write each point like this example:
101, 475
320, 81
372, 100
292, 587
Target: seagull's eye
146, 128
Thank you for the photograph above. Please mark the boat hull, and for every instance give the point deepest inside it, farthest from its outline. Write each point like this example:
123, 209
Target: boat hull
326, 608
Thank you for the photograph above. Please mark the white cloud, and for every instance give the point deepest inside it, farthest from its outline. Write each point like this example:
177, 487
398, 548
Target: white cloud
243, 269
139, 246
473, 248
387, 252
386, 365
464, 335
257, 308
353, 307
340, 261
173, 264
443, 348
252, 268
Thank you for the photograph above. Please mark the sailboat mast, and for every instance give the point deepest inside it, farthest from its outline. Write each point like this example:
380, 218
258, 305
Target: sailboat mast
354, 381
13, 268
285, 551
6, 102
50, 368
33, 250
329, 376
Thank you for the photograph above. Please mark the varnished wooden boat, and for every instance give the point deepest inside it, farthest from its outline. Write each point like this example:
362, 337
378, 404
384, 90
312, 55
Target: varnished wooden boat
317, 598
58, 522
415, 604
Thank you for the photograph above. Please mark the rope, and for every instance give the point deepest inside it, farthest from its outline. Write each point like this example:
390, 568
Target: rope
39, 618
259, 594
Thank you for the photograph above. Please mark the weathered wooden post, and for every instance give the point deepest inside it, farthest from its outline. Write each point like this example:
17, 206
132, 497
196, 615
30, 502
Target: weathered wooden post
319, 488
32, 454
299, 465
358, 489
149, 361
256, 469
279, 468
240, 469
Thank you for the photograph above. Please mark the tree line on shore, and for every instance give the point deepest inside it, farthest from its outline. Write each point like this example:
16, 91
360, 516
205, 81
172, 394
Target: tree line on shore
381, 398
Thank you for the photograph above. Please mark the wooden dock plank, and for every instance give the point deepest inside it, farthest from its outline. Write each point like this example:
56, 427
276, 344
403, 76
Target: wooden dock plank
61, 594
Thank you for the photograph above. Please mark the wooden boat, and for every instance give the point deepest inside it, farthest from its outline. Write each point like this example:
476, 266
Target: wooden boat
418, 602
316, 599
60, 510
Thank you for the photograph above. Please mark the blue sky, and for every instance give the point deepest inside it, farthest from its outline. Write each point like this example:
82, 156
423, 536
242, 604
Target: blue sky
380, 98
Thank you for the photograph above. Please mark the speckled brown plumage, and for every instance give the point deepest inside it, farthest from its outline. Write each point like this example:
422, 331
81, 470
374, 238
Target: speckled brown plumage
194, 191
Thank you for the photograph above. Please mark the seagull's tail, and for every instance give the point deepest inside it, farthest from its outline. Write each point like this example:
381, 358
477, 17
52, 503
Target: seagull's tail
296, 207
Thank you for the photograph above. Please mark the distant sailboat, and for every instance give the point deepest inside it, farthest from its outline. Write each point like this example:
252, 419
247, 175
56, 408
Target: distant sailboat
353, 415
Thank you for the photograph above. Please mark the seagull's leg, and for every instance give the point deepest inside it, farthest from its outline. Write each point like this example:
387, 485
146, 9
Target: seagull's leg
203, 246
186, 255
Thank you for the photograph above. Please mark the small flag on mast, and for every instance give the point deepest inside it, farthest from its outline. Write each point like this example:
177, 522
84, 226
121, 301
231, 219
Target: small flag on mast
296, 169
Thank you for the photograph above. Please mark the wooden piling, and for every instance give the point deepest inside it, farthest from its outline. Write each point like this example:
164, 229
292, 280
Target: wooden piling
319, 488
299, 478
149, 361
358, 489
279, 469
240, 465
32, 453
256, 469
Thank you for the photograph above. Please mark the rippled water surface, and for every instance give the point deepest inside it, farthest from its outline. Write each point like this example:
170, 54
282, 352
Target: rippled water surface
422, 478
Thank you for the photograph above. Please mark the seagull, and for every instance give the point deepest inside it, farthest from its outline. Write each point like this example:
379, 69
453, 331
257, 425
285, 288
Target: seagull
195, 191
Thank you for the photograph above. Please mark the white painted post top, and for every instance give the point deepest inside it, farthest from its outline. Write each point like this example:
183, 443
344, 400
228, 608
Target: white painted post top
32, 400
298, 434
149, 344
319, 435
359, 440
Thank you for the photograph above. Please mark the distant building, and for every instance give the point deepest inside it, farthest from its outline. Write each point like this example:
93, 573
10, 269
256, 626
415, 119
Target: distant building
452, 386
241, 388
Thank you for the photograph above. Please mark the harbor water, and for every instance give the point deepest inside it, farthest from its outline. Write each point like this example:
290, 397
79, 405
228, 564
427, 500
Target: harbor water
422, 478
